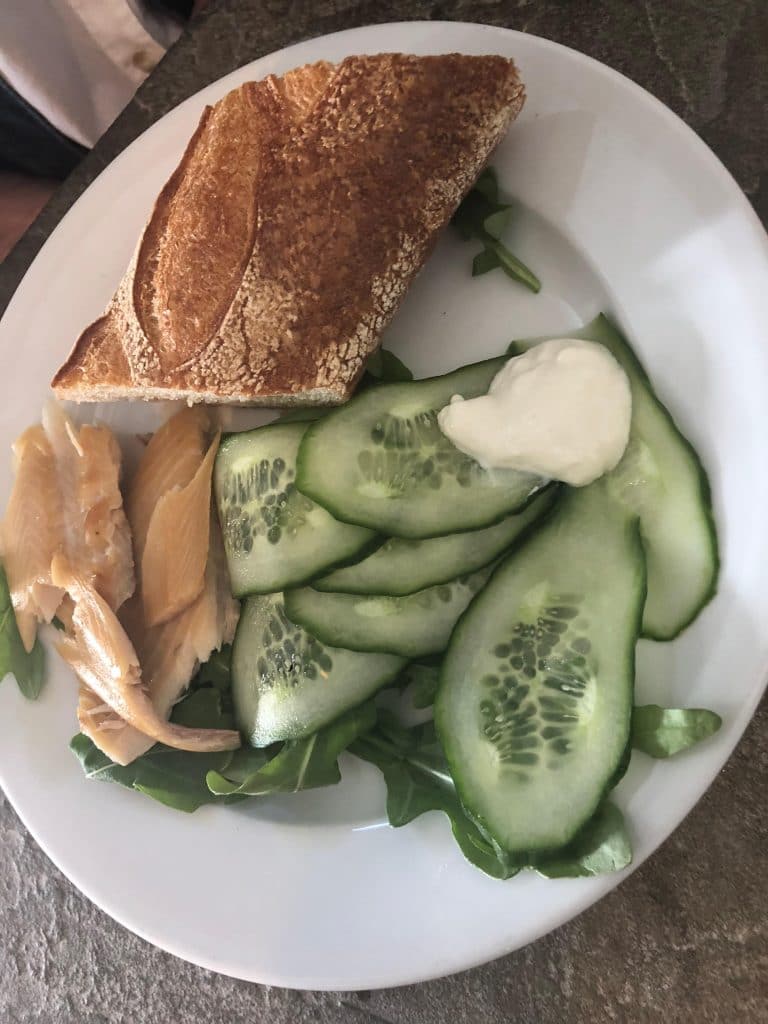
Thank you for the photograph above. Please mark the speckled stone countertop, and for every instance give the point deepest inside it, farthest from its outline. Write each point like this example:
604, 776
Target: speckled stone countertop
686, 937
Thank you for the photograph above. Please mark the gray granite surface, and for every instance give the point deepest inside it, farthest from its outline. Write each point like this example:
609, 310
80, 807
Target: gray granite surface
685, 939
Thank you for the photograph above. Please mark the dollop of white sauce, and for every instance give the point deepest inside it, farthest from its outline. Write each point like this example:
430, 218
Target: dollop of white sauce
562, 410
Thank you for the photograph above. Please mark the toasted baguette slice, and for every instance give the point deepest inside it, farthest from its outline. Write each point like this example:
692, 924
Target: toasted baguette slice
288, 235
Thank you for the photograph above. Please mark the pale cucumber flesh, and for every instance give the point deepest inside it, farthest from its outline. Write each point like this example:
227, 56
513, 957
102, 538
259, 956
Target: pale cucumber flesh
662, 479
411, 626
394, 471
274, 536
286, 684
536, 691
401, 567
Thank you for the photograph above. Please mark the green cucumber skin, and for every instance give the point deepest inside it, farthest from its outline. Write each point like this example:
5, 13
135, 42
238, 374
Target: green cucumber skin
398, 587
604, 331
336, 505
613, 771
341, 637
297, 729
609, 335
365, 547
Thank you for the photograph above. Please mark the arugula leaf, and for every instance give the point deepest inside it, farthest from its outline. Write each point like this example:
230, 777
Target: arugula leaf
204, 708
484, 262
385, 366
482, 216
488, 184
417, 777
175, 778
418, 780
215, 671
299, 764
664, 732
302, 414
513, 267
423, 678
602, 846
426, 680
27, 668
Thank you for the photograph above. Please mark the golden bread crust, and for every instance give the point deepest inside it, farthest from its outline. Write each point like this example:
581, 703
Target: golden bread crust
288, 235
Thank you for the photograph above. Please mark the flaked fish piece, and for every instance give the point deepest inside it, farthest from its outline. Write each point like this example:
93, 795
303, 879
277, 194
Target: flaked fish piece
171, 459
31, 533
95, 533
65, 499
170, 655
105, 661
177, 544
173, 467
106, 548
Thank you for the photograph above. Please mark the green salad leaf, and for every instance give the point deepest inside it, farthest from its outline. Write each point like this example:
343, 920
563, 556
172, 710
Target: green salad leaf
417, 778
664, 732
385, 366
175, 778
27, 668
299, 764
485, 261
303, 414
484, 217
421, 678
425, 680
602, 846
187, 780
216, 671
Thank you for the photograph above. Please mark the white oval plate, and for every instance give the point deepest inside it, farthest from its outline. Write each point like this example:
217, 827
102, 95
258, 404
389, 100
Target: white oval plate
622, 208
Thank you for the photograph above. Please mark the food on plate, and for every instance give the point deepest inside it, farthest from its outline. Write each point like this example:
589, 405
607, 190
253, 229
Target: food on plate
169, 655
67, 551
521, 633
288, 235
535, 692
177, 544
395, 471
412, 626
30, 535
489, 544
560, 410
286, 684
535, 698
27, 667
65, 499
482, 216
183, 610
103, 658
664, 732
401, 567
662, 478
169, 462
274, 536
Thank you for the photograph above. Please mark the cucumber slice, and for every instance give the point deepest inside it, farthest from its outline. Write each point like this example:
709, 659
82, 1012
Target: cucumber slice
401, 567
286, 685
411, 626
382, 461
535, 698
661, 477
274, 536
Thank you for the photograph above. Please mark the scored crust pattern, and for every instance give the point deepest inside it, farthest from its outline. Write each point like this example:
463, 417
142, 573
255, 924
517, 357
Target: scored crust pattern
288, 235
